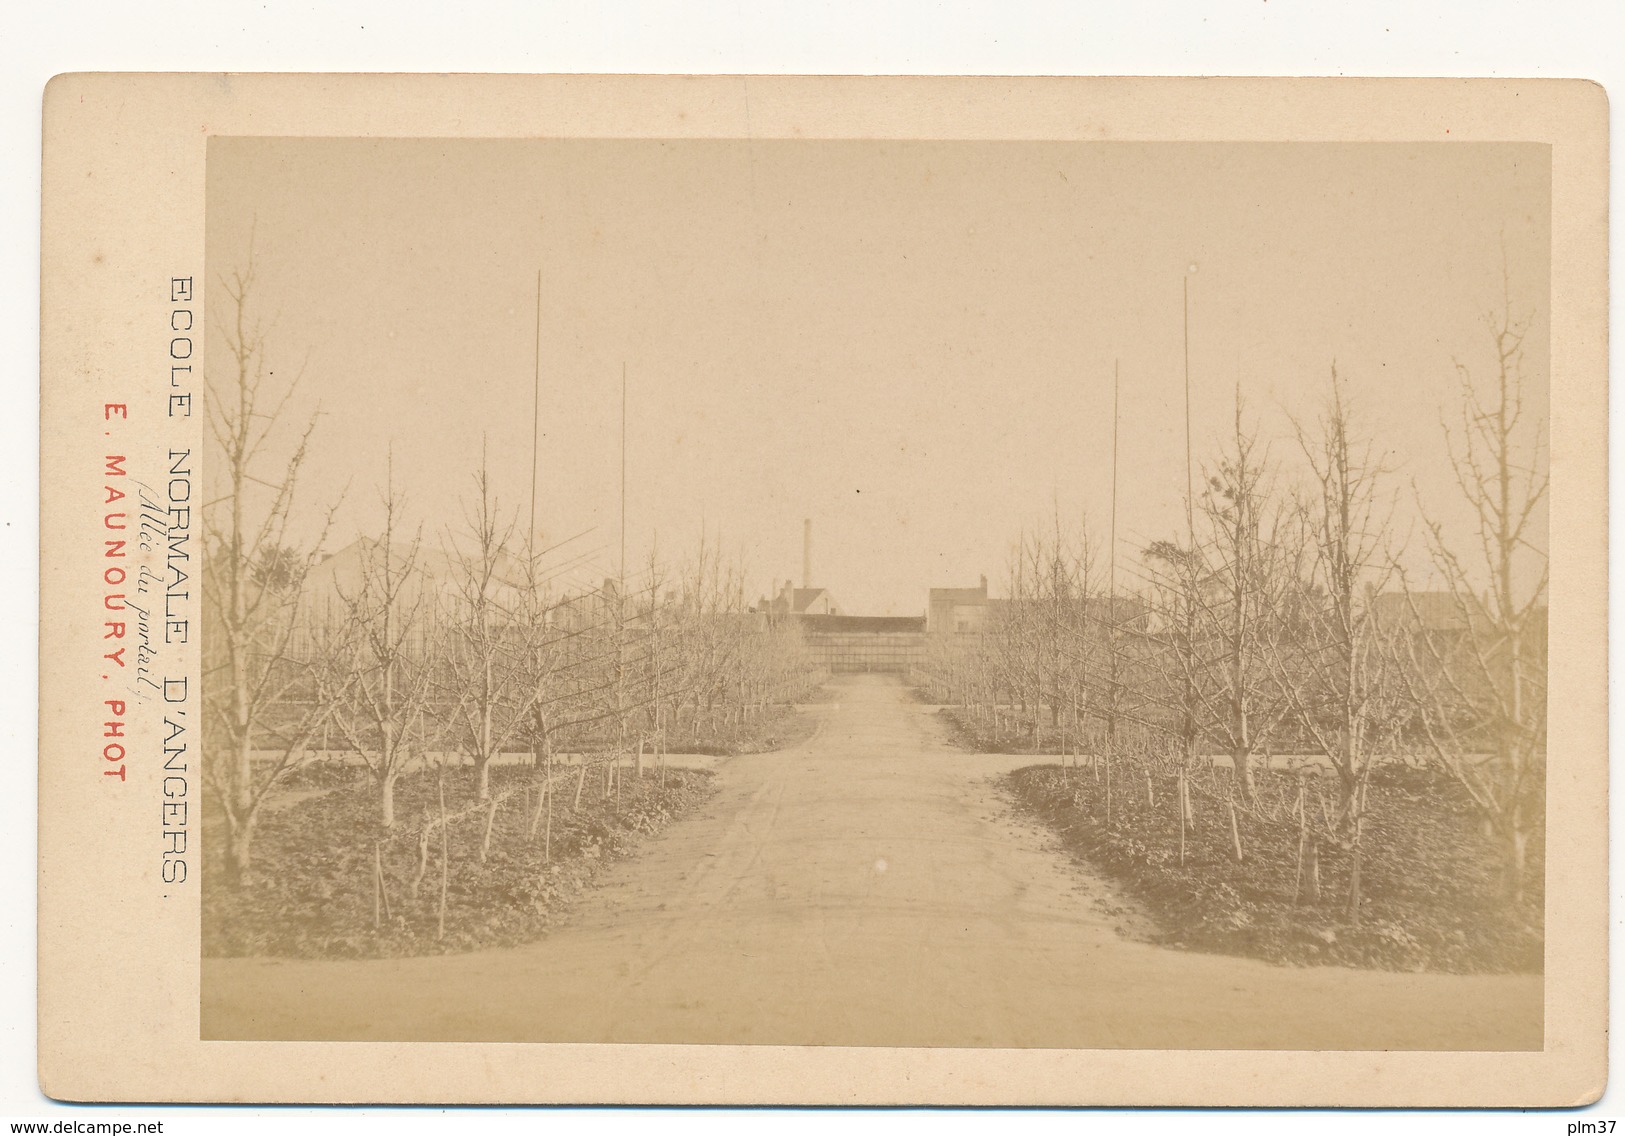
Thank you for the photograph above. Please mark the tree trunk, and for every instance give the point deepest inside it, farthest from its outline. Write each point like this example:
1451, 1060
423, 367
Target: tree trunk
1108, 756
1515, 846
1241, 759
1311, 872
490, 822
239, 812
482, 757
377, 887
445, 860
386, 801
1235, 833
1354, 882
1184, 805
239, 844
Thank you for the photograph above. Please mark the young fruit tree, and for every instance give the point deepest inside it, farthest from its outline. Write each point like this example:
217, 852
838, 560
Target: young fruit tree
1070, 599
1023, 645
268, 688
1337, 665
1246, 589
486, 688
1176, 660
1480, 683
390, 664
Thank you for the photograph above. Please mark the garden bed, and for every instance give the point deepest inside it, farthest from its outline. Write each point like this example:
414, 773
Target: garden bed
1429, 877
314, 886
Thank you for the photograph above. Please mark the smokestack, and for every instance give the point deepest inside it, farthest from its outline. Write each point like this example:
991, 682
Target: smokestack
806, 553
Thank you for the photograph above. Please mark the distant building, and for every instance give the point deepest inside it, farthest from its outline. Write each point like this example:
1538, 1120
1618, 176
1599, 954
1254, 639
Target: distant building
961, 611
971, 611
847, 644
1125, 613
1428, 611
1446, 617
799, 601
337, 581
813, 601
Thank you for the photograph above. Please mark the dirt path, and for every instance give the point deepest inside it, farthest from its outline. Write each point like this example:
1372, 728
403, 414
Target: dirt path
868, 887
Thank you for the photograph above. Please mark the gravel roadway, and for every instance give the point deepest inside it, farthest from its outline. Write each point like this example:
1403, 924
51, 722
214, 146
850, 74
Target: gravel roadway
870, 886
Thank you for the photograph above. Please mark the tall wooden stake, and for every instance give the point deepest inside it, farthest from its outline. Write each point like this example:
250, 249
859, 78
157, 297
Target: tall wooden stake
1190, 479
1303, 841
1111, 611
536, 411
623, 476
1191, 584
620, 613
445, 857
1183, 804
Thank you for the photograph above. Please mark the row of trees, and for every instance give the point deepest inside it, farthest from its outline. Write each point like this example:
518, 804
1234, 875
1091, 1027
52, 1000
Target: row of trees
1284, 621
402, 652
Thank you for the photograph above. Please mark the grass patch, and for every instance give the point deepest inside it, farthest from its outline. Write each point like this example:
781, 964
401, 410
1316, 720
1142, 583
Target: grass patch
1429, 877
1016, 736
777, 727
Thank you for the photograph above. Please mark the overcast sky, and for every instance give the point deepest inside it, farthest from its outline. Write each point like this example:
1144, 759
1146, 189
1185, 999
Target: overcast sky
910, 343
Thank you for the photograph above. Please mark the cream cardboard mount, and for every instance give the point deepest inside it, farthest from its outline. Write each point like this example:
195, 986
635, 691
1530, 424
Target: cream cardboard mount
904, 312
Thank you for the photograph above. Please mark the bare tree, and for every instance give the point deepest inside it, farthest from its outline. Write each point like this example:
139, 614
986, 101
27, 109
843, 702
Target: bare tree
540, 700
488, 696
267, 690
1174, 660
1242, 557
660, 665
390, 666
1071, 595
1482, 684
1023, 646
1338, 666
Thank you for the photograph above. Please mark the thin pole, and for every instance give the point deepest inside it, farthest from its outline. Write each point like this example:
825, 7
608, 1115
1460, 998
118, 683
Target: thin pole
536, 409
623, 474
445, 856
620, 612
1191, 585
1111, 606
1112, 559
1190, 481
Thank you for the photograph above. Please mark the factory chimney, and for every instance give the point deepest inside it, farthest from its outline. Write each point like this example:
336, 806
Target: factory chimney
806, 553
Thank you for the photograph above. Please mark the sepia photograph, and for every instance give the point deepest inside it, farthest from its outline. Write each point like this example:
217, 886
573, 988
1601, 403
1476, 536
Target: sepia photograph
865, 592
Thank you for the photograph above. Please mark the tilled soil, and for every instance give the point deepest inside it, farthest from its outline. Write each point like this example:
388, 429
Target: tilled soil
870, 886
